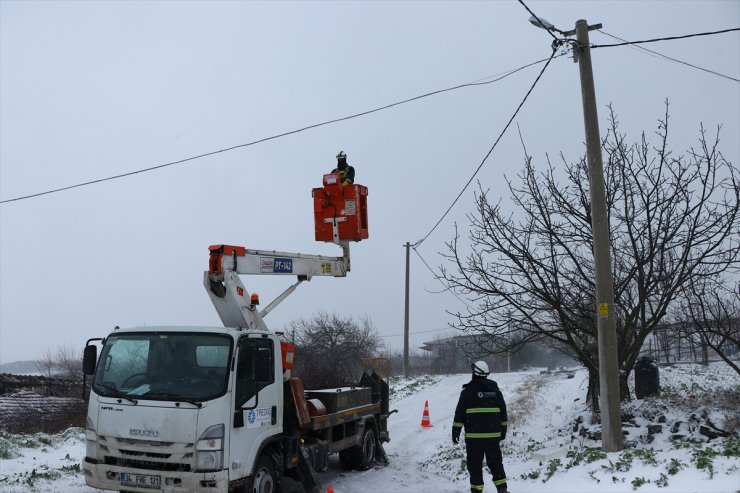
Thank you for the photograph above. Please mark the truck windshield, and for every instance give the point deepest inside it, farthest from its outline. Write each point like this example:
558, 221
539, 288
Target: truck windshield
164, 366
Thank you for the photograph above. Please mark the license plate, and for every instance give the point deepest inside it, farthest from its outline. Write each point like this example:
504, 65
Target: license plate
141, 480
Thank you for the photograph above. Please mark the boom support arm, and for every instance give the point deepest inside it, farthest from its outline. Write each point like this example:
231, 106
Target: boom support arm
230, 298
264, 262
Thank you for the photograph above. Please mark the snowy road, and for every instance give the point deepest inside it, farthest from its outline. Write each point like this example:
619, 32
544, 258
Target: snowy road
410, 446
420, 457
542, 408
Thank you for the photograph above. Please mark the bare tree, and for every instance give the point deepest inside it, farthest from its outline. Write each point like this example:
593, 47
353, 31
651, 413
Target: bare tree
69, 362
665, 339
330, 349
673, 220
711, 311
46, 363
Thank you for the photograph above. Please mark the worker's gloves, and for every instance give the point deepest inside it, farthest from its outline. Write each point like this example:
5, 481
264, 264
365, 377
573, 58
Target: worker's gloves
456, 434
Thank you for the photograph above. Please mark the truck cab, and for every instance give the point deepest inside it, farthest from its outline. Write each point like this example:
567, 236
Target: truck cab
176, 408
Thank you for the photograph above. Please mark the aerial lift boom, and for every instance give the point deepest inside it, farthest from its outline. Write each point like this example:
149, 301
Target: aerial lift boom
340, 216
235, 306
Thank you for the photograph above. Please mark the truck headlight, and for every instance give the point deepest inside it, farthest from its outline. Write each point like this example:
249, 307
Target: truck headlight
91, 440
209, 450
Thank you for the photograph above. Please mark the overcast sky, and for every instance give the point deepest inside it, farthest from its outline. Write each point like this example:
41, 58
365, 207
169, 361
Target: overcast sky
94, 89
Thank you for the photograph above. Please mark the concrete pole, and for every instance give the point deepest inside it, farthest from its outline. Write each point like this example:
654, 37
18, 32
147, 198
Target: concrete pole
611, 423
406, 318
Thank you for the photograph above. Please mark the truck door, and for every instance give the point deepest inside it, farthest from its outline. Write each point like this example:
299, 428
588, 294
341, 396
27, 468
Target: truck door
258, 405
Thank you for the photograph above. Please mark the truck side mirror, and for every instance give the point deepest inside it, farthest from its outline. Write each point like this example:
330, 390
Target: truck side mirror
263, 365
90, 358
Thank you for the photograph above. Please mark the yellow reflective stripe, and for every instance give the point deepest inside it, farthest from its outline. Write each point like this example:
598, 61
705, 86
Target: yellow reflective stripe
483, 435
476, 410
478, 487
456, 424
504, 423
499, 482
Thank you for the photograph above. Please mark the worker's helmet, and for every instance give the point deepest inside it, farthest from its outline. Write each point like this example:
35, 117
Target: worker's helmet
480, 369
341, 155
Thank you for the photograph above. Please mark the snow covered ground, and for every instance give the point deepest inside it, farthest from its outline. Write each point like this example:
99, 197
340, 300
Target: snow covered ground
544, 451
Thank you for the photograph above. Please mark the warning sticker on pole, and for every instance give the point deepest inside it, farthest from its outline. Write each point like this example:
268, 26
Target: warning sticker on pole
603, 309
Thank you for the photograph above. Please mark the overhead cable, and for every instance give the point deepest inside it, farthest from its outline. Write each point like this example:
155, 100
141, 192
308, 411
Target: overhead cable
670, 38
439, 278
284, 134
419, 242
661, 55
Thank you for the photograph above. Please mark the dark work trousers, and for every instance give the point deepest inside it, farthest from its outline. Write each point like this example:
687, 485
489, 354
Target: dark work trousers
489, 447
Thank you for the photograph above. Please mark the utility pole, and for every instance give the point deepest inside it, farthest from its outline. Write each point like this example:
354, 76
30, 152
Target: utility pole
611, 422
406, 318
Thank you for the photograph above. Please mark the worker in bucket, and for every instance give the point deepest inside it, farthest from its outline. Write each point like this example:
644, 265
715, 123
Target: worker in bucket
344, 169
481, 410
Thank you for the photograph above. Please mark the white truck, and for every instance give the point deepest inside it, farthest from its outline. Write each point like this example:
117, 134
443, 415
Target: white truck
215, 409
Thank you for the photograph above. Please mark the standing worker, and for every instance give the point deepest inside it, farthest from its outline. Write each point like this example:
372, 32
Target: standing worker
344, 169
482, 411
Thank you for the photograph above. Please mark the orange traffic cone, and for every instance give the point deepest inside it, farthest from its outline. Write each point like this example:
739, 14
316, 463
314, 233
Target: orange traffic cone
425, 423
330, 489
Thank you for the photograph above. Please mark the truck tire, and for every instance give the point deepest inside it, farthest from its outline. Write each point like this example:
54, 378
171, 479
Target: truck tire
264, 479
366, 450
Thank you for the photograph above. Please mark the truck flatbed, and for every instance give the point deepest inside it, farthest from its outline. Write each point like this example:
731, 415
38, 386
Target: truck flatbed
347, 415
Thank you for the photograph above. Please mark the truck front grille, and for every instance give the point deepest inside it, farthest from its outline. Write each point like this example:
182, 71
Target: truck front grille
146, 443
151, 455
146, 464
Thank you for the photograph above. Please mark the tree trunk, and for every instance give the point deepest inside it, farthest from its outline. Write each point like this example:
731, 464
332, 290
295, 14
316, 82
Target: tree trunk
592, 395
678, 358
718, 349
594, 388
624, 388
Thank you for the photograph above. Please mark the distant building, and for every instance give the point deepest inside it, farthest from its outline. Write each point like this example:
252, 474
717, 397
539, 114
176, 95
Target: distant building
680, 342
455, 354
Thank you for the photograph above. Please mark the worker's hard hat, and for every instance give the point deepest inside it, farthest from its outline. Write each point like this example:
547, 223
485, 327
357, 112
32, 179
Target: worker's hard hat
480, 369
341, 155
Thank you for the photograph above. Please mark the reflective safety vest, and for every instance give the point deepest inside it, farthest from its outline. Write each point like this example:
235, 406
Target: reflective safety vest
347, 173
481, 410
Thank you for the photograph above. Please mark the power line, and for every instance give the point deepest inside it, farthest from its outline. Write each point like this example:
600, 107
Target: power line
552, 56
661, 55
555, 45
670, 38
284, 134
437, 277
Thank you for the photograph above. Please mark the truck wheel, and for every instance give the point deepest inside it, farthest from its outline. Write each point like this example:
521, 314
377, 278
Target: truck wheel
366, 452
264, 479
